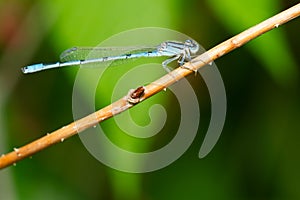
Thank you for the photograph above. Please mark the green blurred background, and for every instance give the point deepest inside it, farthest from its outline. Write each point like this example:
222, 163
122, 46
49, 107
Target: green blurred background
257, 156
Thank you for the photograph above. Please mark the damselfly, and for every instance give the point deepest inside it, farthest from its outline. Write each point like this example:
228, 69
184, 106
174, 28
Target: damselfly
180, 51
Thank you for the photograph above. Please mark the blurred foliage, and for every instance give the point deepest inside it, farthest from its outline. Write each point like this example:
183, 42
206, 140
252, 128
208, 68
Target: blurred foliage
264, 49
257, 154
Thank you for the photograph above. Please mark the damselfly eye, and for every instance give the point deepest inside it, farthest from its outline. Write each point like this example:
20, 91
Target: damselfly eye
188, 43
192, 45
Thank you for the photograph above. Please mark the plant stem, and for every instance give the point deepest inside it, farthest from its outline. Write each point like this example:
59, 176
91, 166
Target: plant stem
149, 90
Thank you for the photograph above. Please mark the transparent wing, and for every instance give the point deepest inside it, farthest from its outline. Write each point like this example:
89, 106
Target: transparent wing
87, 53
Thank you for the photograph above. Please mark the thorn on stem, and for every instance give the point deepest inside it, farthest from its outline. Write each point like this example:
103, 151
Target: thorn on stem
135, 96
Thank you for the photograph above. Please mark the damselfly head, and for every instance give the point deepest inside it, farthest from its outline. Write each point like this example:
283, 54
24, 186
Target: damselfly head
192, 45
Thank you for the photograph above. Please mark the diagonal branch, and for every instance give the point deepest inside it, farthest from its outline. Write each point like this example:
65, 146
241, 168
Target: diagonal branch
142, 93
